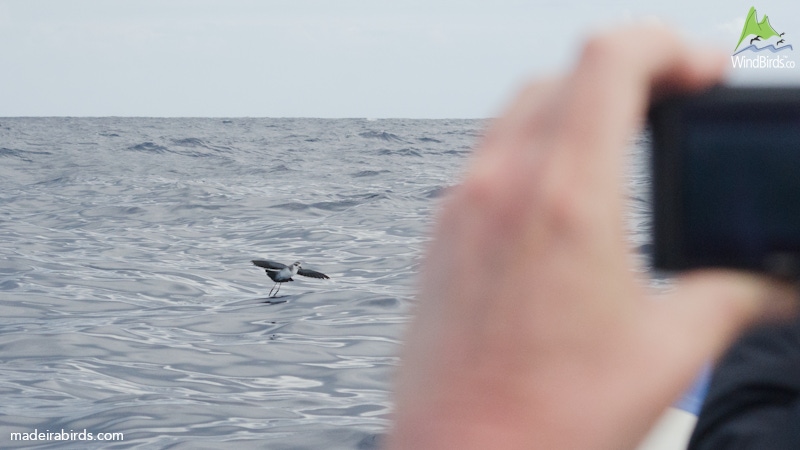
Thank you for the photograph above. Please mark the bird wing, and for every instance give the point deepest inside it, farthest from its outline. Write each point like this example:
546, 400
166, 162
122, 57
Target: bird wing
311, 273
269, 265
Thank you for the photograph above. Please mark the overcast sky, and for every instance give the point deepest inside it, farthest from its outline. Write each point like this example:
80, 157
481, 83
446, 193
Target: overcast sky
316, 58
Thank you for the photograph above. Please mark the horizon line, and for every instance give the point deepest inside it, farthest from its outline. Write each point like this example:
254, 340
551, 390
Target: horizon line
237, 117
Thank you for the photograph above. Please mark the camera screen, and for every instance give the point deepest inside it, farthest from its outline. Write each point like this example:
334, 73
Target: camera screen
741, 184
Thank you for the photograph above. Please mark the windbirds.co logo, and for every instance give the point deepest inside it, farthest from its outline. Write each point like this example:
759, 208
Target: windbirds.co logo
757, 38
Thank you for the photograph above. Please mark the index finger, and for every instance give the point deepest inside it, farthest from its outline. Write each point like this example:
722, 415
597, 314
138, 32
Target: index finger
589, 115
615, 78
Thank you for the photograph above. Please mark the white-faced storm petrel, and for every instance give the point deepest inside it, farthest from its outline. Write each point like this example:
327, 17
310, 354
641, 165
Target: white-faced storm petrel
281, 273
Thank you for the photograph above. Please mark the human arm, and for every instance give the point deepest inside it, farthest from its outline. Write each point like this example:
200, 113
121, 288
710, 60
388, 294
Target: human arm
531, 330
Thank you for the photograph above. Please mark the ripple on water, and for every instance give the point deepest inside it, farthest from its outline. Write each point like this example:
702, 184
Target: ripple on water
130, 304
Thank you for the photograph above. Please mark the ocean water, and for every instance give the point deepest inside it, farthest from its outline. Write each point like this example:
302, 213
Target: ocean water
129, 304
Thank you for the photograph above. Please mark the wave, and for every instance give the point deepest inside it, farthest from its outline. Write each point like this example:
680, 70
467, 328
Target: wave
105, 212
344, 203
401, 152
61, 180
292, 206
143, 250
190, 142
336, 205
148, 147
21, 154
369, 173
279, 168
199, 143
382, 135
436, 192
197, 146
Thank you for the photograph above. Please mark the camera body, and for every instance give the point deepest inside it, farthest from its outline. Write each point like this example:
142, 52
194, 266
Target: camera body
726, 180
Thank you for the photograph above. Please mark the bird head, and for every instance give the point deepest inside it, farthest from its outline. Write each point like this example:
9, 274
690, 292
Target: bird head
297, 264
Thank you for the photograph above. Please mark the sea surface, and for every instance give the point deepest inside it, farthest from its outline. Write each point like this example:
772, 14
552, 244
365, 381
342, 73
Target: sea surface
129, 303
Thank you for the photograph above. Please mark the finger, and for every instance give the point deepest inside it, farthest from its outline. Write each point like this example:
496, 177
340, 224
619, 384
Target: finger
707, 310
519, 120
629, 64
589, 116
605, 99
509, 137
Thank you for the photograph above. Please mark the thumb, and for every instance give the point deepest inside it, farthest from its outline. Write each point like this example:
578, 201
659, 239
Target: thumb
708, 309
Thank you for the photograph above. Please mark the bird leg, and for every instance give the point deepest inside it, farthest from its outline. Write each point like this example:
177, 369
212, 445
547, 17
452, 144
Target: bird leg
273, 288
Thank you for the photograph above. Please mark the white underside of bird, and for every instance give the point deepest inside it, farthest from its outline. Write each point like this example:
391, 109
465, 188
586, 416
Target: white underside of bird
281, 273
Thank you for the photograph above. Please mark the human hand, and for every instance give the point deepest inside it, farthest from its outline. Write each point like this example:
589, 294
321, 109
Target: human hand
531, 329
